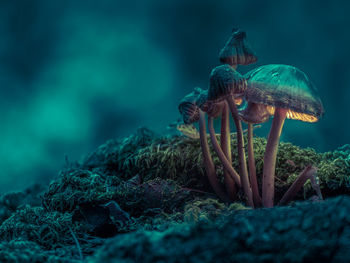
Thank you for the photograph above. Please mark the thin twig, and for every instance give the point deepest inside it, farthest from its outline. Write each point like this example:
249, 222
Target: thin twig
77, 244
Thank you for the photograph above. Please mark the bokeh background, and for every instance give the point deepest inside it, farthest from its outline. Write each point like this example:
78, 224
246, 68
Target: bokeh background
76, 73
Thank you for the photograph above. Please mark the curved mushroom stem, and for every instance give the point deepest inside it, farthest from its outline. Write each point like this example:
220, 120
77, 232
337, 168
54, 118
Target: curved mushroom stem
308, 173
208, 161
226, 148
252, 168
227, 165
268, 186
241, 154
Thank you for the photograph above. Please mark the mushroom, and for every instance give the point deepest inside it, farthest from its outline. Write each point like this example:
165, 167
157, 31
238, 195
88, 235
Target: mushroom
253, 114
226, 89
237, 50
191, 113
287, 93
214, 108
225, 141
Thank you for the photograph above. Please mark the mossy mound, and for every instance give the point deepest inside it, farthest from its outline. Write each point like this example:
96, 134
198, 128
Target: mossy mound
179, 158
143, 183
10, 202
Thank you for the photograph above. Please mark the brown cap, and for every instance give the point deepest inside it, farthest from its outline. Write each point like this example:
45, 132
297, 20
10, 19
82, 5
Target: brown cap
254, 113
188, 106
225, 81
283, 86
237, 50
202, 96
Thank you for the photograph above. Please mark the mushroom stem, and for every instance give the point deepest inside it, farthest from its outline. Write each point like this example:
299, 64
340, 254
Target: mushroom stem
227, 165
268, 186
308, 173
241, 154
208, 161
225, 141
252, 168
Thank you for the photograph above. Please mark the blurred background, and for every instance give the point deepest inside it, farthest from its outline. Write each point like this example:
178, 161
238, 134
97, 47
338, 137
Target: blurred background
74, 74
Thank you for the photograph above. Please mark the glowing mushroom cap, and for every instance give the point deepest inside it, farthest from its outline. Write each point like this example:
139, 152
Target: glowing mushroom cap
225, 81
237, 50
188, 106
283, 86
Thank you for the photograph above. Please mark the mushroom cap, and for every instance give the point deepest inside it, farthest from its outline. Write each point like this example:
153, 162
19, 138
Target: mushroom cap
202, 97
254, 113
189, 106
237, 50
225, 81
284, 86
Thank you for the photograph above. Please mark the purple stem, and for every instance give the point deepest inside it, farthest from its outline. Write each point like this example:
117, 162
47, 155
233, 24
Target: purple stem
225, 141
208, 161
241, 154
227, 165
268, 185
252, 168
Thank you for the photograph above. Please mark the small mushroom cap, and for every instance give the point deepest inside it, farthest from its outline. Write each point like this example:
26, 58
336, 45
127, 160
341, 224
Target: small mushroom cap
202, 97
284, 86
225, 81
255, 113
237, 50
189, 106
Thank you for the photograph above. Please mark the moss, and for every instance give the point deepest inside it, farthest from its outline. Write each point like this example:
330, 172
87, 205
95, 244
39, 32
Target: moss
34, 224
54, 232
158, 182
77, 187
208, 210
16, 251
179, 158
102, 175
9, 202
335, 174
152, 197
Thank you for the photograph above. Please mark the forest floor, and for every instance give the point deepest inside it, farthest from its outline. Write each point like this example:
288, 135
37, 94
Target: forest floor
146, 199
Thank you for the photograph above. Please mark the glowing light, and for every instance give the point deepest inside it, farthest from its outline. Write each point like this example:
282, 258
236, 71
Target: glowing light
294, 115
238, 101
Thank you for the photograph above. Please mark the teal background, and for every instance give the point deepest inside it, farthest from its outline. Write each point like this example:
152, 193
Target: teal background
76, 73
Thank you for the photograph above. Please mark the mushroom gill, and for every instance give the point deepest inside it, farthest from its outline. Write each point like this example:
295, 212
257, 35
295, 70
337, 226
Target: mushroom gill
294, 115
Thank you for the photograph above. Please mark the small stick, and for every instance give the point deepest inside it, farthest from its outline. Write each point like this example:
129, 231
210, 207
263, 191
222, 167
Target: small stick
76, 243
308, 173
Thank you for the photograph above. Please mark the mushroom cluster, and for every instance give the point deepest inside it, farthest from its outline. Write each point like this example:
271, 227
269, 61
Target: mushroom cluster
278, 91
